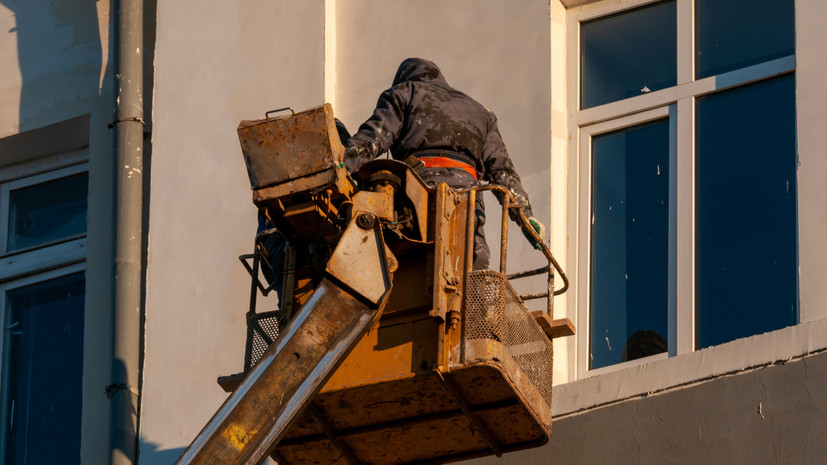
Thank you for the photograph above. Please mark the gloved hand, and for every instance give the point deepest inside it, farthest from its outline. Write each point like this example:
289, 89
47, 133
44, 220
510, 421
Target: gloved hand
539, 228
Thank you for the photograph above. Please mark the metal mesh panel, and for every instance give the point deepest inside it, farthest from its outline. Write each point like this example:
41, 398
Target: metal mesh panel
495, 311
262, 330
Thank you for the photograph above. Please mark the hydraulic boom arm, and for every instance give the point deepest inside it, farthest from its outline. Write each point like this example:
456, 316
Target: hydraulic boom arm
342, 308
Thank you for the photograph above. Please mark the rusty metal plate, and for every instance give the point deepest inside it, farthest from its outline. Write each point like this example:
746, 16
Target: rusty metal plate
284, 190
286, 148
393, 400
380, 204
361, 268
416, 420
419, 194
388, 353
412, 290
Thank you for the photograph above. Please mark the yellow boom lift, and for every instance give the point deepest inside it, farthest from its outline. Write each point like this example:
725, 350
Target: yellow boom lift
394, 351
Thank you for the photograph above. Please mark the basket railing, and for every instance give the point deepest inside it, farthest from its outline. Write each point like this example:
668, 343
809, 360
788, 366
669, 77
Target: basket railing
509, 205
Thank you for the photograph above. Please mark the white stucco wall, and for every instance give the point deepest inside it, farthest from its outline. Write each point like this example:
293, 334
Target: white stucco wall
55, 59
217, 63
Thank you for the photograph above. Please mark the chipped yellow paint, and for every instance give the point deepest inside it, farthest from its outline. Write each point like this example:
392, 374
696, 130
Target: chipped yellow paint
238, 436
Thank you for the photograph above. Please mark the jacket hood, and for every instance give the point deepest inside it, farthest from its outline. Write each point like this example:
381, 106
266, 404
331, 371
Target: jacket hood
418, 69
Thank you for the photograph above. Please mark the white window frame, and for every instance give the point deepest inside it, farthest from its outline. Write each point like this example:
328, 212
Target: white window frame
586, 217
5, 287
679, 103
52, 254
38, 263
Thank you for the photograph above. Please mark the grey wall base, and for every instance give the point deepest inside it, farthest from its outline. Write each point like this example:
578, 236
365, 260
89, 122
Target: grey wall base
776, 414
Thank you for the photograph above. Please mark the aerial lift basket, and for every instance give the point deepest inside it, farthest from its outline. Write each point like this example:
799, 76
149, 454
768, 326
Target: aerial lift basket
457, 366
391, 402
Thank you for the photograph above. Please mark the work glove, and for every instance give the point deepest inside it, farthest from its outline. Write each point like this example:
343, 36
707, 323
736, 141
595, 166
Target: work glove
539, 228
341, 129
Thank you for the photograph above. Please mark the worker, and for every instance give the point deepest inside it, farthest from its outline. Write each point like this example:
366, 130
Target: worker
454, 135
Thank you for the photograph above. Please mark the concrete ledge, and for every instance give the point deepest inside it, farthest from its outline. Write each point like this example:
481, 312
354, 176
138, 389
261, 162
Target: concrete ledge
648, 378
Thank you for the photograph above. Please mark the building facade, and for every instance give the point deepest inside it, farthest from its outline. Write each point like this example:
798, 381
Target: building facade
671, 146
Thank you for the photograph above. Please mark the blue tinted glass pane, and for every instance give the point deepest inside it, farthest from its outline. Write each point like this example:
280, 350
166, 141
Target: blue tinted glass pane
47, 211
630, 227
739, 33
746, 211
628, 54
45, 361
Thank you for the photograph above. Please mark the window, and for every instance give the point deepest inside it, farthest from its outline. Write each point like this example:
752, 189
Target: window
42, 302
47, 212
687, 172
630, 233
739, 33
44, 363
746, 211
643, 61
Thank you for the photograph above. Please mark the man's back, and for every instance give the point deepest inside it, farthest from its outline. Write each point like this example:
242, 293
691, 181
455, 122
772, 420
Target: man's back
452, 134
420, 112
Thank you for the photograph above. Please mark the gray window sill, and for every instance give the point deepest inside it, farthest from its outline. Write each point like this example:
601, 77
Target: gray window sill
660, 375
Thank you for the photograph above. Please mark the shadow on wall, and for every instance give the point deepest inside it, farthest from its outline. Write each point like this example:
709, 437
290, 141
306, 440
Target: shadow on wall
60, 56
151, 455
148, 453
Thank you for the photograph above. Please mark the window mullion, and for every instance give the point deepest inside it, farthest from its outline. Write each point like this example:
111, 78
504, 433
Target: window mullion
4, 217
4, 381
32, 261
51, 175
584, 254
685, 225
686, 41
673, 229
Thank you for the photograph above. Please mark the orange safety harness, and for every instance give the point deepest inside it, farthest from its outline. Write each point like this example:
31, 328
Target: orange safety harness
437, 161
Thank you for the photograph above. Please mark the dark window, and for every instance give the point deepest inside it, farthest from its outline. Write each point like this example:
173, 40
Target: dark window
44, 359
630, 230
48, 211
734, 34
628, 54
746, 211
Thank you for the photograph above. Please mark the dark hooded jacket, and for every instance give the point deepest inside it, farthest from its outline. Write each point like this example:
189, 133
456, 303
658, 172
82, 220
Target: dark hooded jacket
421, 111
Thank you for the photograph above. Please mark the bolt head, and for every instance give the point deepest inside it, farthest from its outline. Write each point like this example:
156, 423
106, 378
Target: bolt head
365, 221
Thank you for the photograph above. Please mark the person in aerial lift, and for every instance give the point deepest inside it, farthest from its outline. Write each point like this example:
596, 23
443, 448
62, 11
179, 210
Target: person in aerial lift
452, 134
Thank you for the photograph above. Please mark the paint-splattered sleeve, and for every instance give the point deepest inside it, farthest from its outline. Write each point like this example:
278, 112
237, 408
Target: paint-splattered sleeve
500, 170
377, 134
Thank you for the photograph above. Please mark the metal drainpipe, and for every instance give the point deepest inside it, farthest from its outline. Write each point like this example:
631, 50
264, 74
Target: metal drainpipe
127, 312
